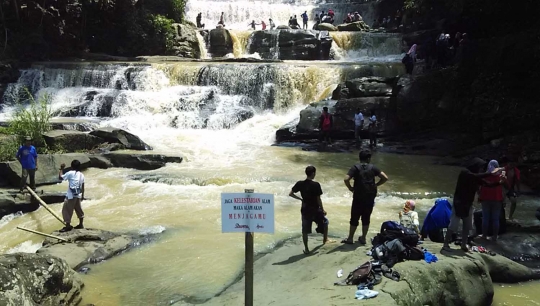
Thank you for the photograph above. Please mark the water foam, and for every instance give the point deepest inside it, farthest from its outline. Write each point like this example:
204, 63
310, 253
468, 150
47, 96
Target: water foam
25, 247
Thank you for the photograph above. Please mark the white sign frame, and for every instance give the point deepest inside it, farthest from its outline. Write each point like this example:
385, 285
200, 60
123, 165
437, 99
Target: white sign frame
247, 213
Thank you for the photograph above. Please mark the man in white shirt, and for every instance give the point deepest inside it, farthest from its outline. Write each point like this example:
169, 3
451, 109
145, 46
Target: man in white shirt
358, 126
74, 195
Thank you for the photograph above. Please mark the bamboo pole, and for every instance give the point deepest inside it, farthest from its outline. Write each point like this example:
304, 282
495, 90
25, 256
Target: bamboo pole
248, 294
40, 201
42, 234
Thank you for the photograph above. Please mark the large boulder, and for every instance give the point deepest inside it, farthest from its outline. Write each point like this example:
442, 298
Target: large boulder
307, 127
220, 42
291, 44
48, 166
141, 161
71, 141
369, 87
353, 27
115, 135
186, 44
38, 279
326, 27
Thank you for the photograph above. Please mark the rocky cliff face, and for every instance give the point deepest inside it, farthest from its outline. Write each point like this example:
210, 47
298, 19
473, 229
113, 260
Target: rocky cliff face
31, 279
291, 44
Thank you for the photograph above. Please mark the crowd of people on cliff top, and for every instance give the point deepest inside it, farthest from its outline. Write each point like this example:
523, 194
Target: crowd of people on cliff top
323, 17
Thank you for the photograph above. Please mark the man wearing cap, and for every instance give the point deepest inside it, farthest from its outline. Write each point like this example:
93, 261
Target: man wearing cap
27, 156
364, 194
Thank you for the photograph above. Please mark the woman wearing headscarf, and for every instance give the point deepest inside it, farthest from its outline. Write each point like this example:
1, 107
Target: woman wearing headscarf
491, 198
408, 217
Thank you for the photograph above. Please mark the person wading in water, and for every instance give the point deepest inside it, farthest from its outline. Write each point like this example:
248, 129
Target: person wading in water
364, 194
74, 195
312, 207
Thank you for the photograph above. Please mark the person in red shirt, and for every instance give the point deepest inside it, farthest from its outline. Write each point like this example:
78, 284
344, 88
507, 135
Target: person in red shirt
326, 122
491, 197
513, 188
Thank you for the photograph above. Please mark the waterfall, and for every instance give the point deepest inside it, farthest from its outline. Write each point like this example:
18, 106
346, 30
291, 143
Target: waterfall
202, 46
184, 95
240, 42
357, 45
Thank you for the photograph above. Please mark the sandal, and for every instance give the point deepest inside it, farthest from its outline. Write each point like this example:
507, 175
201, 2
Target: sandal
345, 241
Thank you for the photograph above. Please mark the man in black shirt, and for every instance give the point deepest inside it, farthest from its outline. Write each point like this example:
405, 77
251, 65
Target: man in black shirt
364, 193
312, 207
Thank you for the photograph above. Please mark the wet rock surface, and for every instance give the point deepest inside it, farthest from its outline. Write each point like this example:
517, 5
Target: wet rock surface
38, 279
141, 161
12, 201
72, 140
125, 138
292, 44
90, 246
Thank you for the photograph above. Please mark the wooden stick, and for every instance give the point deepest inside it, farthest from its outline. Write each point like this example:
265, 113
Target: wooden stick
40, 201
42, 234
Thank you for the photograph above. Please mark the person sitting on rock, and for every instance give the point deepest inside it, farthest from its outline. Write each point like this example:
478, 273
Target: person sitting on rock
74, 195
199, 24
348, 19
295, 23
357, 17
312, 207
408, 217
222, 19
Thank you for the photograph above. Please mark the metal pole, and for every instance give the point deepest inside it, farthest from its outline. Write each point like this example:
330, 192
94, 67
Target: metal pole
40, 201
42, 234
249, 265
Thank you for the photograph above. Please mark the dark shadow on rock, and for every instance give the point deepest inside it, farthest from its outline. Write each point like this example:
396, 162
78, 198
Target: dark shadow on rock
347, 247
298, 257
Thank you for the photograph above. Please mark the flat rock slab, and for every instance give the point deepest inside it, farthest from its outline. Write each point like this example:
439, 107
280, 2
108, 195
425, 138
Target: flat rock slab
287, 277
38, 279
114, 135
88, 246
13, 201
141, 161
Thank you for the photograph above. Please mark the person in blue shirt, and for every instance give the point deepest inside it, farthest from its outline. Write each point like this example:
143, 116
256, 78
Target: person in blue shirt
304, 20
27, 156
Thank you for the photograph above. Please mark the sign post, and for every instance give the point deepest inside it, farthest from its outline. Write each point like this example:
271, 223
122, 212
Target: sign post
249, 264
247, 213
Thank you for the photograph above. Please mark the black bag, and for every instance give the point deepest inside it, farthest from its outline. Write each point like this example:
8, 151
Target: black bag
391, 230
412, 253
361, 274
366, 179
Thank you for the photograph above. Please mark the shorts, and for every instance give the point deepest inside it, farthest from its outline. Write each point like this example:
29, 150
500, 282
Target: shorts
454, 220
362, 208
319, 218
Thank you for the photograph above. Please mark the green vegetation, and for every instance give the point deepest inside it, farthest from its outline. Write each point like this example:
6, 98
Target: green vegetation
29, 120
65, 28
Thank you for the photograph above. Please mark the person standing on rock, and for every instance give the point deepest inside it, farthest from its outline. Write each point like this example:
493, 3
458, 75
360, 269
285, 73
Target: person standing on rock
372, 127
468, 183
74, 195
513, 186
364, 194
358, 126
326, 122
304, 20
312, 207
27, 156
272, 24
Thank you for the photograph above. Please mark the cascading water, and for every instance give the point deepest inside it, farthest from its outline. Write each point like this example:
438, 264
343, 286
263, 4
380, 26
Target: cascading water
240, 42
361, 45
184, 95
202, 46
